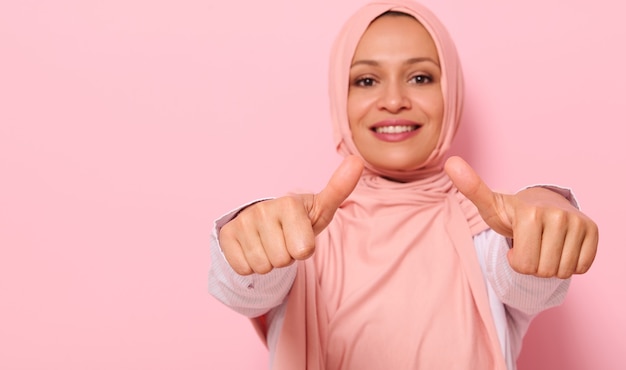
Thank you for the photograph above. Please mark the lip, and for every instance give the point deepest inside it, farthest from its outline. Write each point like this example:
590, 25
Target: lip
395, 137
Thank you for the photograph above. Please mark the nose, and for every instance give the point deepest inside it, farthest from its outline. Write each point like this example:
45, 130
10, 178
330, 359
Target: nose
394, 97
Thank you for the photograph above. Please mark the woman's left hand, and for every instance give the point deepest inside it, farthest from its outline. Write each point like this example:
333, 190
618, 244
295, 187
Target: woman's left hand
551, 238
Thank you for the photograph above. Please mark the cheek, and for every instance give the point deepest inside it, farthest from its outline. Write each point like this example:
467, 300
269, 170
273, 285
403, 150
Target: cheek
435, 107
354, 112
359, 104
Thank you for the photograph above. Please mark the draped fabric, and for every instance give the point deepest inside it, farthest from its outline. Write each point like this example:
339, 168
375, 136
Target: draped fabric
395, 282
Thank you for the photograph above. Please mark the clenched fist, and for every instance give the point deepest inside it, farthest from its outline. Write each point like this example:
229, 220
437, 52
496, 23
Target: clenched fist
274, 233
551, 238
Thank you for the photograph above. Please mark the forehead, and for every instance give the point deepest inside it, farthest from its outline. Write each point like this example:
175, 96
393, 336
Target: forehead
395, 34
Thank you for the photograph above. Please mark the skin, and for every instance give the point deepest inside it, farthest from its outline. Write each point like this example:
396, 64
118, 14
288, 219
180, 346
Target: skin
551, 237
395, 75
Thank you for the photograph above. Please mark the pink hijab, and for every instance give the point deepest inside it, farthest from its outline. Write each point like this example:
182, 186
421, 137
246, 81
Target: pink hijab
395, 282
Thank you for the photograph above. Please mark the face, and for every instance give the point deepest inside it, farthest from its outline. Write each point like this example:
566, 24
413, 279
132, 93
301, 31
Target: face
395, 103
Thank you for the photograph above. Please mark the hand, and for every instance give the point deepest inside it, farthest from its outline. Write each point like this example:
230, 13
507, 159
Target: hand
551, 238
276, 232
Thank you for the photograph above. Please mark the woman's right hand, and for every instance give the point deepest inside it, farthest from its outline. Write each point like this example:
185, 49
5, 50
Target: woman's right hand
275, 233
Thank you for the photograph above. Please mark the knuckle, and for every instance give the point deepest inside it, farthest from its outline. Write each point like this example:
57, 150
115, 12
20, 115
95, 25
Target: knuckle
241, 267
227, 233
281, 260
289, 201
269, 210
565, 273
286, 204
303, 252
578, 223
264, 210
257, 260
227, 245
257, 211
525, 268
583, 267
546, 272
592, 227
262, 268
557, 217
528, 219
532, 214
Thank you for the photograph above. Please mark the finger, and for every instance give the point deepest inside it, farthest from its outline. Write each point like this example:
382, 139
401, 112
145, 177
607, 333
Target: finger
589, 249
491, 205
273, 241
341, 184
525, 254
556, 235
469, 183
339, 187
571, 252
237, 260
255, 255
233, 253
299, 235
251, 245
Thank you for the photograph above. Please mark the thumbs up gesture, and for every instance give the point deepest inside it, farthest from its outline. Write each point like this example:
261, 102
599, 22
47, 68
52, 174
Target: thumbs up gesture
551, 238
276, 232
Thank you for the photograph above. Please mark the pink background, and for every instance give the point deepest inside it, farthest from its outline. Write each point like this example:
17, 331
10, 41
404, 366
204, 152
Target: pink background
126, 127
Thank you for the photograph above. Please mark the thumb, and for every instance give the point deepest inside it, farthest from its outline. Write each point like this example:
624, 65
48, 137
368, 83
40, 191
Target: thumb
339, 187
490, 204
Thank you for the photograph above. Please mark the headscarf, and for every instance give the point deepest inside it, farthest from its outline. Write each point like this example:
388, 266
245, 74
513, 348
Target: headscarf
395, 281
451, 83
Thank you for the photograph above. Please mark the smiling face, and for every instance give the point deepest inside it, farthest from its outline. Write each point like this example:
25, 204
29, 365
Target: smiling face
395, 104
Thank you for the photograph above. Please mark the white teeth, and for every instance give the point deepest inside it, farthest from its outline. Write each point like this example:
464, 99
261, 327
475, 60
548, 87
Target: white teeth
394, 129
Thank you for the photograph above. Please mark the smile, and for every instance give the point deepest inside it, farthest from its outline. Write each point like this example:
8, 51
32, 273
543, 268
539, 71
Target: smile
395, 129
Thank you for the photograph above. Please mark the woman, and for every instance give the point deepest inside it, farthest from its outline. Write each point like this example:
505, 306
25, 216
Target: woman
401, 264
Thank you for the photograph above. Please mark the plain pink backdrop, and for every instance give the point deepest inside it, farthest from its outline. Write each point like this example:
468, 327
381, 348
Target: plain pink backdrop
126, 127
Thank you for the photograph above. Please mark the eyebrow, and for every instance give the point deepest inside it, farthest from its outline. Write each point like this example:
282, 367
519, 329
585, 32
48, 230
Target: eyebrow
406, 62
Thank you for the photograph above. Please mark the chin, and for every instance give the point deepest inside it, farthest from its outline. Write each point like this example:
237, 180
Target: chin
398, 165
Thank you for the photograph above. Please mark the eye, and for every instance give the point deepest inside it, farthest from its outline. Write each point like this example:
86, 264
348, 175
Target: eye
421, 79
364, 82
